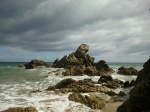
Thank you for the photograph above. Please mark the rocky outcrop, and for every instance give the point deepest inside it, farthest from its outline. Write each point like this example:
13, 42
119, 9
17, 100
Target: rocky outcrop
35, 63
127, 71
21, 109
79, 63
92, 101
86, 86
139, 100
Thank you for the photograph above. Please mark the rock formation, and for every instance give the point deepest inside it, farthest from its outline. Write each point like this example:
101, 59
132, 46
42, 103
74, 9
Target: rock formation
35, 63
21, 109
86, 86
79, 63
127, 71
92, 101
139, 100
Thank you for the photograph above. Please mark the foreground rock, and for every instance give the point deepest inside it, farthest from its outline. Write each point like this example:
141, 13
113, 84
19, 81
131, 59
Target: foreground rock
21, 109
86, 86
35, 63
92, 101
79, 63
127, 71
139, 100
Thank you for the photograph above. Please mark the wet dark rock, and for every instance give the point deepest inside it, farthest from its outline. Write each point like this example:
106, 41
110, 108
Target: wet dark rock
139, 100
108, 81
129, 84
35, 91
127, 71
92, 101
121, 93
21, 109
35, 63
62, 84
111, 93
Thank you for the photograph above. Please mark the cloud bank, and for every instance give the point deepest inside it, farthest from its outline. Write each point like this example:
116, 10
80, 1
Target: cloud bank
116, 30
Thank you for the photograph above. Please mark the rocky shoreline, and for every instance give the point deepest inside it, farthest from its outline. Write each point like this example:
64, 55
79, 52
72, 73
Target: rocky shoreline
79, 63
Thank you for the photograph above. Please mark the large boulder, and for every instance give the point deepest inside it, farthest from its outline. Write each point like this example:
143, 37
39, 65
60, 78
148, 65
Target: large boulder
127, 71
81, 51
21, 109
103, 67
35, 63
139, 100
92, 101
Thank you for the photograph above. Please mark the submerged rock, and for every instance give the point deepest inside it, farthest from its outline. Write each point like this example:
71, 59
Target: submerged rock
35, 63
92, 101
127, 71
21, 109
79, 63
139, 100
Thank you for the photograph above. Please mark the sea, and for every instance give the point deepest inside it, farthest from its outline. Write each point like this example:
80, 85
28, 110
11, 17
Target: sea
20, 87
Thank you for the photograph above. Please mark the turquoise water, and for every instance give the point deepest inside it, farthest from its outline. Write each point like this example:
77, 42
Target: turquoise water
16, 84
11, 73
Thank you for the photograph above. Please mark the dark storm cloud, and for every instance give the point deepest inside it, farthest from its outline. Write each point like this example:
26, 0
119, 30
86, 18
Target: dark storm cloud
108, 26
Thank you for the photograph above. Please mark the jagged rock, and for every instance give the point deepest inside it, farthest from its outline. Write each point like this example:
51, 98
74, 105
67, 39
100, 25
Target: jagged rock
62, 84
79, 63
92, 101
127, 71
21, 109
83, 86
74, 71
108, 81
139, 100
81, 51
35, 63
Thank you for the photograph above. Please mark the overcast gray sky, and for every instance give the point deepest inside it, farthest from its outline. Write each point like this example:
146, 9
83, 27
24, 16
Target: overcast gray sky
115, 30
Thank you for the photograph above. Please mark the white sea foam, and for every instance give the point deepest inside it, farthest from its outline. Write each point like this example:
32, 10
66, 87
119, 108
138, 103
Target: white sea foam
19, 94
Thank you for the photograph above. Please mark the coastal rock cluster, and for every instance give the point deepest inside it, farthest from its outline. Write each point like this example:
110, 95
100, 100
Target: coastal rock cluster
104, 85
35, 63
139, 100
79, 63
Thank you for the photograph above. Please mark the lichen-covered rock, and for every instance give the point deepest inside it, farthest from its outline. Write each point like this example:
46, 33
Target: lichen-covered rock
139, 100
21, 109
127, 71
35, 63
92, 101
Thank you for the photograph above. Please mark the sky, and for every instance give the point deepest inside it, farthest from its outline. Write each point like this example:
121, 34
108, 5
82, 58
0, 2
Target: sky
115, 30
